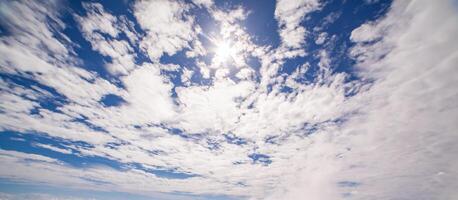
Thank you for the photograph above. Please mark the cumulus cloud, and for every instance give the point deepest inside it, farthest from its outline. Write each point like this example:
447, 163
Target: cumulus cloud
321, 38
290, 14
168, 26
217, 106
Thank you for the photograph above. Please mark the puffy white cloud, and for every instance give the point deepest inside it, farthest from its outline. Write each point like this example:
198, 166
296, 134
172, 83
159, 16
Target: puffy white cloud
278, 113
169, 28
289, 14
186, 76
148, 96
366, 32
245, 73
217, 106
321, 38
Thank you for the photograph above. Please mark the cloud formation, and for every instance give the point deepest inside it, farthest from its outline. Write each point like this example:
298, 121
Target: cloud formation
175, 109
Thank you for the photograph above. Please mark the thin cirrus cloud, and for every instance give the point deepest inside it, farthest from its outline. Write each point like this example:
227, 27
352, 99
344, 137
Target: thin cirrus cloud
186, 100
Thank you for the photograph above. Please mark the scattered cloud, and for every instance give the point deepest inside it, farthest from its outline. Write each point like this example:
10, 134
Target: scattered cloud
290, 14
167, 24
175, 109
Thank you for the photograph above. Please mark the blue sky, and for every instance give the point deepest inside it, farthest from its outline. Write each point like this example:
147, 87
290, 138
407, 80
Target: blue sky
203, 99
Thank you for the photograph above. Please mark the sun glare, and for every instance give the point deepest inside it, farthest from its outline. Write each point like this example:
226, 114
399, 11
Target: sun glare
224, 51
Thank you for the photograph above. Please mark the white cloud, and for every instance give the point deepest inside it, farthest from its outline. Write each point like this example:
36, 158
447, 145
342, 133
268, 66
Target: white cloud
169, 28
205, 3
197, 48
19, 156
367, 32
216, 106
148, 96
400, 142
405, 116
245, 73
279, 113
53, 148
321, 38
38, 196
203, 69
40, 54
98, 21
233, 45
289, 14
48, 171
23, 51
186, 76
230, 16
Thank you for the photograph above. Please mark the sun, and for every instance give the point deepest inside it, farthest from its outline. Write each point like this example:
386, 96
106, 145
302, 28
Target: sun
224, 51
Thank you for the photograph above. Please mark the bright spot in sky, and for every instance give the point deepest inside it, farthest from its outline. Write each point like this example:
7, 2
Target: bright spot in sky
224, 51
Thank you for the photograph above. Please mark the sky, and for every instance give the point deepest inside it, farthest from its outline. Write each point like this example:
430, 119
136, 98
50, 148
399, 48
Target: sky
229, 100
